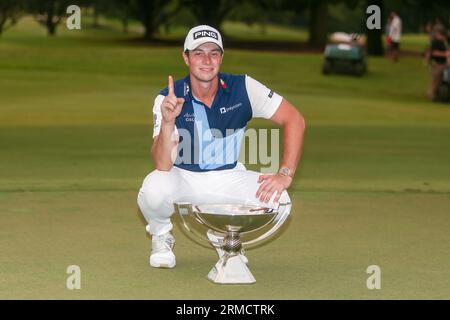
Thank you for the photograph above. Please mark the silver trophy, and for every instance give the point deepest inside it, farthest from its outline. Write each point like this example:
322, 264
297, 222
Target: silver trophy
235, 226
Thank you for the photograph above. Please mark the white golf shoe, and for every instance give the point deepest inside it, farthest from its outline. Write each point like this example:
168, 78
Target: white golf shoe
216, 239
162, 255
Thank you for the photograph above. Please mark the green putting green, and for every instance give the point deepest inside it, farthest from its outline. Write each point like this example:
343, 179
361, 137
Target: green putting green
373, 187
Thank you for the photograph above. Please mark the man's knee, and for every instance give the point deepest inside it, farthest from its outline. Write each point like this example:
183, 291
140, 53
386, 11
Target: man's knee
156, 188
148, 198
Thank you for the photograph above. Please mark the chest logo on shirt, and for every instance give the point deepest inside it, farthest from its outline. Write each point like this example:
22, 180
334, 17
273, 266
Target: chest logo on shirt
189, 117
228, 109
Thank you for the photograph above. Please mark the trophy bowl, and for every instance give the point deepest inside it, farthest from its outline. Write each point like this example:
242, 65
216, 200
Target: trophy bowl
233, 226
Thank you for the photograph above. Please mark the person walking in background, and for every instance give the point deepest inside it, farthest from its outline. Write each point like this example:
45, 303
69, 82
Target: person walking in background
394, 35
439, 53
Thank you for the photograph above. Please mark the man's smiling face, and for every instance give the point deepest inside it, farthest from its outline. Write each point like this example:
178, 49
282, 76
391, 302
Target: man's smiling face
204, 61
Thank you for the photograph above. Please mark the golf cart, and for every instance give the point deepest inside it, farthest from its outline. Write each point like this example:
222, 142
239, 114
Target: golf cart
345, 55
443, 93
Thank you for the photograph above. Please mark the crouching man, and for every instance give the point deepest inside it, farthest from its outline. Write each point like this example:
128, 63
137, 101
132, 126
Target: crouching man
204, 102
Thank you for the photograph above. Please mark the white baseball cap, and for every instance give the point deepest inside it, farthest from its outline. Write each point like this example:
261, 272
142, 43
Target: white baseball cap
200, 35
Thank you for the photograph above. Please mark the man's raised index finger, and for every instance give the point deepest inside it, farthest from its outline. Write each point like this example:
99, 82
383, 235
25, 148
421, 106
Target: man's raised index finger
171, 90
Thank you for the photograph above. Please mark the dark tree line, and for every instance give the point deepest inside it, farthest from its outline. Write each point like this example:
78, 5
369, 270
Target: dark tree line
154, 14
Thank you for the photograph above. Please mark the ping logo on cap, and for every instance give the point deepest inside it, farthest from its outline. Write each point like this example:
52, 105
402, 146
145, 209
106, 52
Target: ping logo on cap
206, 33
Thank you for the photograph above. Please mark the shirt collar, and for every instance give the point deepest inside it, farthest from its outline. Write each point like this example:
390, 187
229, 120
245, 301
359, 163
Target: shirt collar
222, 88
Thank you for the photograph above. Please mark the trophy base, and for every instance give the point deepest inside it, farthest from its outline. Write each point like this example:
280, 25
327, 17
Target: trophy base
231, 270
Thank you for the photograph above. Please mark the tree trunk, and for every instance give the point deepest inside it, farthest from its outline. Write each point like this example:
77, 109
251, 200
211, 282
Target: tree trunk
51, 29
149, 27
95, 23
125, 22
51, 26
148, 35
318, 23
147, 16
2, 23
375, 36
50, 23
125, 25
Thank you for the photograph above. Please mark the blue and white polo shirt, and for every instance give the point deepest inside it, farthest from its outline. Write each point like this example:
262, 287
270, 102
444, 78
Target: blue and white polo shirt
210, 138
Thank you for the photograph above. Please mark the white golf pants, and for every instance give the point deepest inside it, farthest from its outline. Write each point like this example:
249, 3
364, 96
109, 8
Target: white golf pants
161, 189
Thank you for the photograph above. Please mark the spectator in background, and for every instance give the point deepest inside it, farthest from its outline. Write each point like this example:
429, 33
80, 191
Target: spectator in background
430, 28
394, 35
439, 53
386, 31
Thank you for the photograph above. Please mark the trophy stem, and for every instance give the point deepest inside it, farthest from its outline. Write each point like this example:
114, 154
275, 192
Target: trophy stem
232, 243
230, 269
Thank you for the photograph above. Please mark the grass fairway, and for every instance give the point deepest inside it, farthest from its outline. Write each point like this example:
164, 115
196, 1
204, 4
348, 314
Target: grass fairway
373, 187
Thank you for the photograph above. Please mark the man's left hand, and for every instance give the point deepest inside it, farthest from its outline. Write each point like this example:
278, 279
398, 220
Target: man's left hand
271, 183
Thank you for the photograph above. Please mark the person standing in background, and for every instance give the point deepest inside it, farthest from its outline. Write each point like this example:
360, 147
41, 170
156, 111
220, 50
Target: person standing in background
394, 35
439, 53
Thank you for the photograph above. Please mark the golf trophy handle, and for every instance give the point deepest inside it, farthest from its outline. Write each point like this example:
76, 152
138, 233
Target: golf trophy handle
284, 209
